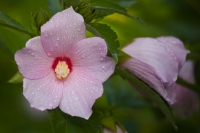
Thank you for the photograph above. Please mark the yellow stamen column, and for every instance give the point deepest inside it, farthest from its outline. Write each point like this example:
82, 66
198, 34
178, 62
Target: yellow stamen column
62, 70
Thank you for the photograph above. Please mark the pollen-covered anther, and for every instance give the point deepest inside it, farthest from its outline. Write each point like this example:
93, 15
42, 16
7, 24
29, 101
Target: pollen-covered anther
62, 70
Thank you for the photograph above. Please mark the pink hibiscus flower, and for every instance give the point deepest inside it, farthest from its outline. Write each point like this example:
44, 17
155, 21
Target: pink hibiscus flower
156, 62
64, 68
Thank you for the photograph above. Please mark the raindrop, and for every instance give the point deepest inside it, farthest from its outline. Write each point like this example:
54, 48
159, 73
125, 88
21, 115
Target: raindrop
79, 29
51, 33
33, 93
50, 105
46, 35
56, 45
70, 25
76, 98
81, 32
75, 24
61, 21
58, 39
103, 67
48, 54
88, 42
56, 25
73, 92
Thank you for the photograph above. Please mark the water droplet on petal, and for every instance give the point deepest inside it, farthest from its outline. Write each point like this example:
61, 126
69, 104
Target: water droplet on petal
76, 98
50, 105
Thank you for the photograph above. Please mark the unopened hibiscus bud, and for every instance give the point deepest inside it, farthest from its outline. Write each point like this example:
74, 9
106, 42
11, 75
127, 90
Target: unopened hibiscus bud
62, 68
118, 130
185, 101
156, 62
86, 10
38, 19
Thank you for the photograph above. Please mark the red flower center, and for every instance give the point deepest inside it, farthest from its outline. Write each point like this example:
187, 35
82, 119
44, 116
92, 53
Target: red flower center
62, 67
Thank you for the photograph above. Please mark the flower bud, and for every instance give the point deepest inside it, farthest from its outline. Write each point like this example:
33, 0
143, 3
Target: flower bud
38, 19
82, 7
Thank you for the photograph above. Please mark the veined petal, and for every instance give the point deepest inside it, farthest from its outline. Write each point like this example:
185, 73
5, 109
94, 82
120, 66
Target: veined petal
44, 93
89, 55
32, 61
79, 94
187, 72
155, 54
186, 101
176, 47
61, 31
147, 74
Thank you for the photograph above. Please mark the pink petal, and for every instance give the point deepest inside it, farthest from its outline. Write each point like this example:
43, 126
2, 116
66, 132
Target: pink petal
61, 31
32, 61
147, 74
154, 53
89, 55
44, 93
187, 72
176, 47
186, 101
80, 93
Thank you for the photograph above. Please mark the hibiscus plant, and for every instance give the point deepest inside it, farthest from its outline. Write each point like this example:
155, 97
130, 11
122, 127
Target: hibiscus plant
74, 67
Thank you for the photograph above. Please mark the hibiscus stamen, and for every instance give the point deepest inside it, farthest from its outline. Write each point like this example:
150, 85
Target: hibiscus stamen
62, 67
62, 70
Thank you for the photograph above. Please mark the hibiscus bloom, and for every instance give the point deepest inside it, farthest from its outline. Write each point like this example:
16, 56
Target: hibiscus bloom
156, 62
186, 101
64, 68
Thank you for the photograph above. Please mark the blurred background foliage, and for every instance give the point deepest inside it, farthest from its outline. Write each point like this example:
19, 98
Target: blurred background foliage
179, 18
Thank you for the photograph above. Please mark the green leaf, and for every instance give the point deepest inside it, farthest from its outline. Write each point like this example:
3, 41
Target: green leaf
150, 93
5, 49
9, 22
101, 103
17, 78
109, 122
64, 123
105, 32
54, 6
108, 7
72, 3
124, 3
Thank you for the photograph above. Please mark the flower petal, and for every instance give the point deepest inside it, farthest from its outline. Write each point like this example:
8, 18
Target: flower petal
32, 61
79, 94
89, 55
187, 72
155, 54
186, 101
61, 31
176, 47
44, 93
146, 73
